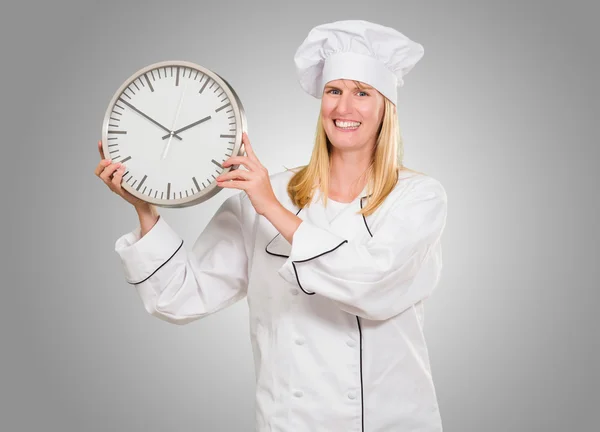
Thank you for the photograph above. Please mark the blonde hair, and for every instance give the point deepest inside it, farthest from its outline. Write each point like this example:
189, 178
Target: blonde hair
382, 173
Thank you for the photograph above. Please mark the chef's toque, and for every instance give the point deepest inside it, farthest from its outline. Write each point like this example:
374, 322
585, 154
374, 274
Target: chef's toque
357, 50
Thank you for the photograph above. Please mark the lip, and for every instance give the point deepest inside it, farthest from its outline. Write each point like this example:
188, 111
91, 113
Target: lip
348, 120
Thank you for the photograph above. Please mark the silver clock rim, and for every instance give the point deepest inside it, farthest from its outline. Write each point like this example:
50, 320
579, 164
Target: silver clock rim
212, 189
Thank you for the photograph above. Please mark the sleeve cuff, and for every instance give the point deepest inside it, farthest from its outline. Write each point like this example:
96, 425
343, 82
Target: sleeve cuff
140, 256
308, 242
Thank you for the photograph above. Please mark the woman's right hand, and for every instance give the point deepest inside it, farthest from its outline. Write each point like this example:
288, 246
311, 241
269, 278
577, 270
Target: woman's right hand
112, 174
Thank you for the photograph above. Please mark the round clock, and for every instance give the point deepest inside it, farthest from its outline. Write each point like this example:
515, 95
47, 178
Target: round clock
172, 124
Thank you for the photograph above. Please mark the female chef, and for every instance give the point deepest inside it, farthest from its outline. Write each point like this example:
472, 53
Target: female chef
335, 259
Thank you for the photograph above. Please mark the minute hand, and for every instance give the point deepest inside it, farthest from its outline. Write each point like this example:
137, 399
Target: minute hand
188, 126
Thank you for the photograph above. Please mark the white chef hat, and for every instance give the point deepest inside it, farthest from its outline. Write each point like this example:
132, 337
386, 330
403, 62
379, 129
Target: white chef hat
357, 50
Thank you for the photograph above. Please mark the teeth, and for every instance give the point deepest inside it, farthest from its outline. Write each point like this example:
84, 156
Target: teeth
345, 124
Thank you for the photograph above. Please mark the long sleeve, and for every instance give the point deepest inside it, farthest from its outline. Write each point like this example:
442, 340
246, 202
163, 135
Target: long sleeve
181, 286
396, 267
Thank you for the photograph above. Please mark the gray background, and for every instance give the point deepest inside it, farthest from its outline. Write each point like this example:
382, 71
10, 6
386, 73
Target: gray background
500, 110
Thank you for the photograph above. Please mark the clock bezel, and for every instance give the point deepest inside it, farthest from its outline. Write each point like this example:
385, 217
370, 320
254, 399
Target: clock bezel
212, 189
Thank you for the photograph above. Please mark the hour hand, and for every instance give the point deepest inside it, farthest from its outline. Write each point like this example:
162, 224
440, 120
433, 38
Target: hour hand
187, 127
151, 119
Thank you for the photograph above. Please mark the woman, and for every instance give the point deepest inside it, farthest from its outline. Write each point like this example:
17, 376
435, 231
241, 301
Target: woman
335, 258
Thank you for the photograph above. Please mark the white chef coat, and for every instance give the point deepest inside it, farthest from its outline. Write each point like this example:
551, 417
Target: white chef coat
336, 318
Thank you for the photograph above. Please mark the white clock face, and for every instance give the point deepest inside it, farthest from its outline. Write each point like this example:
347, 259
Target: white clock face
172, 126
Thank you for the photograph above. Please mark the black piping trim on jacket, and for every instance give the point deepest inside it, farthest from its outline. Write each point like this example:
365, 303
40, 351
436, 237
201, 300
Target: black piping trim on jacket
308, 259
362, 403
143, 280
364, 219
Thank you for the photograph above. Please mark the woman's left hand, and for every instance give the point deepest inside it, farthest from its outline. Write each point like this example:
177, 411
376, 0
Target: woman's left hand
255, 181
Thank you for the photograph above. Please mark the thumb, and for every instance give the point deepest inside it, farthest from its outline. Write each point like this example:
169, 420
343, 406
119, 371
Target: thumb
100, 149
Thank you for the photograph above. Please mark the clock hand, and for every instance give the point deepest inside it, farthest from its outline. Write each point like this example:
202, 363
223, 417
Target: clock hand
152, 120
189, 126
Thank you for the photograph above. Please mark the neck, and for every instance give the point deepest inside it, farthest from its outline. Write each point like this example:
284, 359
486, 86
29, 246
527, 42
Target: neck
347, 172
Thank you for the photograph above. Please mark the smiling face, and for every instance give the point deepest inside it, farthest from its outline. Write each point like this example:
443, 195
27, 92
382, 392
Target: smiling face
351, 115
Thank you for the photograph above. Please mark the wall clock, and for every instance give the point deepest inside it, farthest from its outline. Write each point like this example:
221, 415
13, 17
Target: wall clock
172, 124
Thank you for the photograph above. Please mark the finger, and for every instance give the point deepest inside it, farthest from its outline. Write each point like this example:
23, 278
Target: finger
101, 165
109, 171
118, 177
248, 147
233, 184
241, 160
235, 174
100, 149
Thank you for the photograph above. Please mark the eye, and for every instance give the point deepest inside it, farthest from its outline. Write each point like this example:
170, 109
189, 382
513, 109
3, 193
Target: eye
367, 94
332, 90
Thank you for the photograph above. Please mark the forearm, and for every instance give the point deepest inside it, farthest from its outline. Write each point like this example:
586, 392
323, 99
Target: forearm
148, 216
283, 220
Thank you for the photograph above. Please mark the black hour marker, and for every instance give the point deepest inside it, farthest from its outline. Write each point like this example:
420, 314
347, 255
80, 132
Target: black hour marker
196, 183
217, 163
227, 136
142, 182
126, 159
223, 107
205, 82
148, 81
168, 190
117, 132
177, 79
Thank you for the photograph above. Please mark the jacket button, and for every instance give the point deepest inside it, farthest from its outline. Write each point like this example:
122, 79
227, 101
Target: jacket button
352, 395
300, 341
351, 343
298, 393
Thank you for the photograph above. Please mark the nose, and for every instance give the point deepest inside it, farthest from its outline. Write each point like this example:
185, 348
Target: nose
344, 104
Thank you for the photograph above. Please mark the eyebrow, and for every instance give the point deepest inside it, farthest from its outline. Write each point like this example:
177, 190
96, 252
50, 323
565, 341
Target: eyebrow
329, 86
